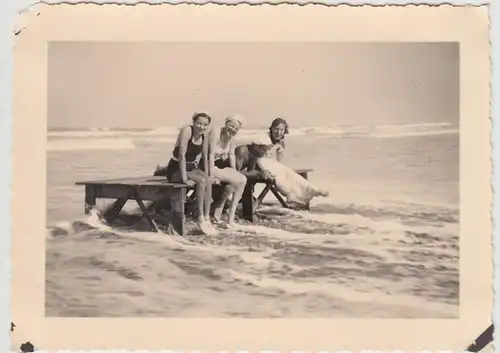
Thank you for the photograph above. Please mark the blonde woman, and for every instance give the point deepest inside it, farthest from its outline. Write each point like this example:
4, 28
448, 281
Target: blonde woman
222, 162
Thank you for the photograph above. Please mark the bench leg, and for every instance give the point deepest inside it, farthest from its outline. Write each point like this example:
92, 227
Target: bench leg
178, 217
90, 198
247, 202
114, 211
145, 211
278, 196
263, 194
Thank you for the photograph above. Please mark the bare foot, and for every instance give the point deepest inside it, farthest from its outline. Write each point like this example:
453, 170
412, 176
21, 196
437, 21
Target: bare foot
209, 225
206, 227
218, 213
233, 225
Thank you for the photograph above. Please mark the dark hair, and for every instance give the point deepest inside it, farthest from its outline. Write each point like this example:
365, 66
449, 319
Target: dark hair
275, 123
201, 115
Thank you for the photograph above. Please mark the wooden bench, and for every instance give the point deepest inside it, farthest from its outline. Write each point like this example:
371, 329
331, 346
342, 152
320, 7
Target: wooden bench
157, 188
250, 203
140, 189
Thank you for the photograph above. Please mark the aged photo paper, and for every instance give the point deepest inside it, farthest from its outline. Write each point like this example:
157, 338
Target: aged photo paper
251, 178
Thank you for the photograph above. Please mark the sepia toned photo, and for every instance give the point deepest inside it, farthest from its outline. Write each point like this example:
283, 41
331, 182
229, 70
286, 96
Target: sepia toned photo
209, 181
350, 151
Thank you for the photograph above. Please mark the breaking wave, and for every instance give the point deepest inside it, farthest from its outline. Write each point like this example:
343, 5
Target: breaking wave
110, 138
388, 261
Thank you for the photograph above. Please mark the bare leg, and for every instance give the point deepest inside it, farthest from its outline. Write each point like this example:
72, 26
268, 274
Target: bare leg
208, 201
201, 182
236, 184
238, 192
219, 206
201, 188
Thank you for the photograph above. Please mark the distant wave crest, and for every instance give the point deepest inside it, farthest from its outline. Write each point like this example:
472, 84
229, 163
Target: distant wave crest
110, 138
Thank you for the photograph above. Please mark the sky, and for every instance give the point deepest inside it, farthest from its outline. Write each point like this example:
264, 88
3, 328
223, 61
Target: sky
152, 84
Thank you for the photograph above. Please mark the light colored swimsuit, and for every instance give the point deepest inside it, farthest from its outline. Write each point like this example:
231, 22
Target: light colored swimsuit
221, 155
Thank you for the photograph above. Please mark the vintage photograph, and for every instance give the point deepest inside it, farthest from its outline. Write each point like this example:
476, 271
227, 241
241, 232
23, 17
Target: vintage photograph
253, 179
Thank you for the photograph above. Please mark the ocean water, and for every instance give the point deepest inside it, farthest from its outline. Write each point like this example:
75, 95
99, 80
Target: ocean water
384, 244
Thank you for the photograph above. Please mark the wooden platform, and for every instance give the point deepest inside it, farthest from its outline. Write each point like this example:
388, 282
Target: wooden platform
140, 189
157, 188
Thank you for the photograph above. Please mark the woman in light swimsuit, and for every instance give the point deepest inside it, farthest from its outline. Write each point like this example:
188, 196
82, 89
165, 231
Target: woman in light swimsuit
223, 166
186, 166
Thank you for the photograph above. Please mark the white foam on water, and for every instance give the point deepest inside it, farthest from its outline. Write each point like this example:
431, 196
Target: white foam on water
382, 135
344, 256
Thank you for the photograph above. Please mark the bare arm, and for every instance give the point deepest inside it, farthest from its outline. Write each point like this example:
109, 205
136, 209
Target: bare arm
244, 163
212, 141
232, 155
280, 152
206, 150
241, 156
182, 142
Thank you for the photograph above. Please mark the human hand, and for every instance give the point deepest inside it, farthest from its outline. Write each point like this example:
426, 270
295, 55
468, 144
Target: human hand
266, 175
214, 180
189, 183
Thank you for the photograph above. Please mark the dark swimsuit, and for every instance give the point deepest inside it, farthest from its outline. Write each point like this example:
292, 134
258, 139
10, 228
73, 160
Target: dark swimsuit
222, 163
193, 154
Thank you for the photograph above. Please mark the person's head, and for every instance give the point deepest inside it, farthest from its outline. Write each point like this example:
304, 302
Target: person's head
201, 122
278, 129
233, 124
259, 150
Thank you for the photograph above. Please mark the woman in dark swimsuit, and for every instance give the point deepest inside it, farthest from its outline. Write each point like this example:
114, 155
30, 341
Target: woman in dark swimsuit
186, 165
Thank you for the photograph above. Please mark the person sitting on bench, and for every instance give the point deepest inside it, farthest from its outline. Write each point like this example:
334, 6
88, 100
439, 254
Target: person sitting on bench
223, 168
247, 157
277, 132
298, 190
186, 166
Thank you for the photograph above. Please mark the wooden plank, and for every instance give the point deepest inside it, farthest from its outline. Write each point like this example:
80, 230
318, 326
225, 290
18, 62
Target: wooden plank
116, 180
159, 180
178, 217
135, 181
147, 193
247, 202
90, 198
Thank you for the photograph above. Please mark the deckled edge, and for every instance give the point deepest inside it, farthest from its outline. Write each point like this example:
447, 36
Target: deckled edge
15, 19
374, 3
494, 16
